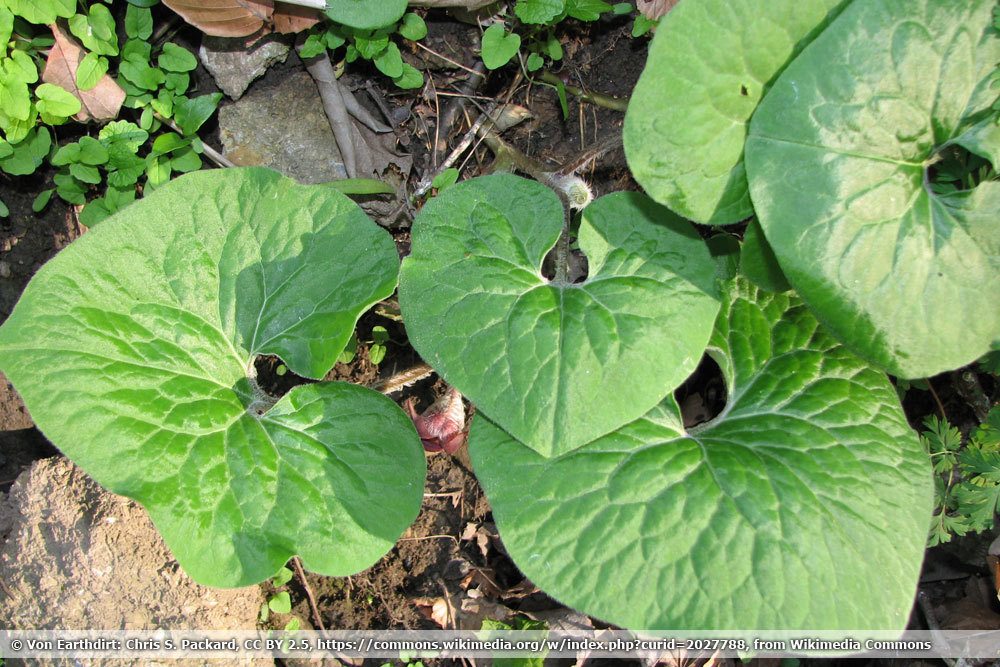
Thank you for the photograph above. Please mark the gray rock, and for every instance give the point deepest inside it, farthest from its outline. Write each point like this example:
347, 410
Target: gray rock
77, 557
283, 127
234, 65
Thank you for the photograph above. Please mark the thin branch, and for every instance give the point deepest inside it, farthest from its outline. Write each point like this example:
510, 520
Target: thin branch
562, 245
429, 537
425, 184
600, 99
937, 400
450, 93
445, 58
297, 564
455, 109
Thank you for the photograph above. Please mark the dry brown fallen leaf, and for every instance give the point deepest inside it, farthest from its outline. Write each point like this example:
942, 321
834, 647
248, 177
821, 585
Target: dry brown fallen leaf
243, 18
294, 18
225, 18
102, 102
481, 580
654, 9
480, 533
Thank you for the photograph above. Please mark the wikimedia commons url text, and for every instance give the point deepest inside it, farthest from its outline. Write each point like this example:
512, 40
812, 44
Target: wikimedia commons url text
489, 644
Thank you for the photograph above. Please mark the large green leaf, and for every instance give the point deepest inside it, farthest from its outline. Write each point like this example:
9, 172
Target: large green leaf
131, 349
709, 64
804, 505
837, 159
556, 364
366, 14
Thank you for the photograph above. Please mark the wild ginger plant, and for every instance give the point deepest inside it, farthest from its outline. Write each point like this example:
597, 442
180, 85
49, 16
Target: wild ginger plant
134, 351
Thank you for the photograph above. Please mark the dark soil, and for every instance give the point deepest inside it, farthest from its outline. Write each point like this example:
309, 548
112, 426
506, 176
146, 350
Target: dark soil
453, 548
27, 240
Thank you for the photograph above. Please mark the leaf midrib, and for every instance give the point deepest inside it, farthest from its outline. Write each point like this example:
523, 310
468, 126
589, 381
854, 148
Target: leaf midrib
846, 153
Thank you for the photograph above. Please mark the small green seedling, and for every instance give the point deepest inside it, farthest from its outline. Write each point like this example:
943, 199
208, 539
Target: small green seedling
967, 483
445, 179
373, 43
377, 349
154, 81
498, 46
518, 623
376, 346
281, 601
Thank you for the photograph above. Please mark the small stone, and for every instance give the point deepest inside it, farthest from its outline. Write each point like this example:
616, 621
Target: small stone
234, 65
283, 127
4, 270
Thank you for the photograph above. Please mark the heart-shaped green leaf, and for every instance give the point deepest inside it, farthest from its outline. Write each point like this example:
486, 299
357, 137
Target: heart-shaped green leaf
837, 159
131, 350
539, 11
709, 64
366, 14
779, 513
556, 365
498, 46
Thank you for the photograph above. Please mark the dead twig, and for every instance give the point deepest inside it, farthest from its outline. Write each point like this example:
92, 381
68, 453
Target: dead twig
467, 90
429, 537
487, 116
940, 405
445, 58
300, 573
425, 183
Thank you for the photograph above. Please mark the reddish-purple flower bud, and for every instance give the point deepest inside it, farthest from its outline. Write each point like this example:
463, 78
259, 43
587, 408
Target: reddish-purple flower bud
441, 427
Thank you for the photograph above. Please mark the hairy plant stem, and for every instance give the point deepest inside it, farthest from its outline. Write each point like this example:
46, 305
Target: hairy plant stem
970, 389
562, 245
403, 379
937, 400
260, 400
599, 99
